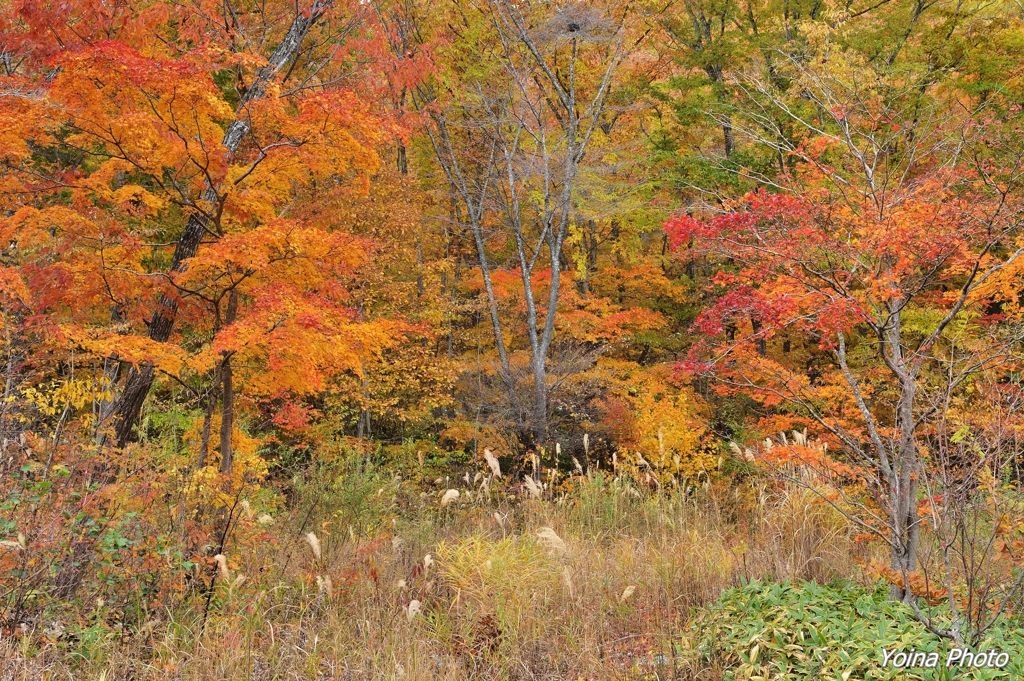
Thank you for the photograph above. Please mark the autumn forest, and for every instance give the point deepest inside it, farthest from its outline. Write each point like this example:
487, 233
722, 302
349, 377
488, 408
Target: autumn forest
511, 339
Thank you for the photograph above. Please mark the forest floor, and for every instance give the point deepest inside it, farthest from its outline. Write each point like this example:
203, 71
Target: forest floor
596, 579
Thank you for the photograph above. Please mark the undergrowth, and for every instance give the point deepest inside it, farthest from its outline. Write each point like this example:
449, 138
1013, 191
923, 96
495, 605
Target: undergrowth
595, 577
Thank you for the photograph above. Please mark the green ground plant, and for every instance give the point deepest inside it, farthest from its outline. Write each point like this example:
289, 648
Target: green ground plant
806, 630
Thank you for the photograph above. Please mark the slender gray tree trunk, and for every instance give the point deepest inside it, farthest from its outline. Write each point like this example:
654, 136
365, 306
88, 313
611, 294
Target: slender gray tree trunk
903, 479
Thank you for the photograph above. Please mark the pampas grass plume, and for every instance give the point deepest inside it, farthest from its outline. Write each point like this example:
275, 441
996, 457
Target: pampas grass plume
550, 539
314, 545
222, 563
533, 487
492, 462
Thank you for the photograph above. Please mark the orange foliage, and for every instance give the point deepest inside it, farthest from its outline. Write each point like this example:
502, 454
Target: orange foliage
129, 116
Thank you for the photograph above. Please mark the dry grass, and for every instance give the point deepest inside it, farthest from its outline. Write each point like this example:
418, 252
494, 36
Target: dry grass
593, 585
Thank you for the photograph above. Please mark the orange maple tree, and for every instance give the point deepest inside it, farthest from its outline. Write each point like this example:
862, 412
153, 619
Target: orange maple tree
155, 176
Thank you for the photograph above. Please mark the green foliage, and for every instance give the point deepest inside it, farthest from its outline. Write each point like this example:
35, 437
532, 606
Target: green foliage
808, 630
353, 495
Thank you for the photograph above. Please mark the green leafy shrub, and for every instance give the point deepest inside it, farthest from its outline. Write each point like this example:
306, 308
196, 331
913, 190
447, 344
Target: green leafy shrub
762, 631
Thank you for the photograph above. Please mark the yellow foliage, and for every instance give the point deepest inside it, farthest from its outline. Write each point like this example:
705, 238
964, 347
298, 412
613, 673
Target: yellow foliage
247, 464
72, 393
663, 423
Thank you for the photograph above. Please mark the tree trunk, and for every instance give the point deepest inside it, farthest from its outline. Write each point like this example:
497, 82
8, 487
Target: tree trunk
906, 524
227, 414
904, 477
590, 253
140, 379
403, 161
363, 426
111, 373
717, 75
227, 400
211, 401
540, 401
759, 340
